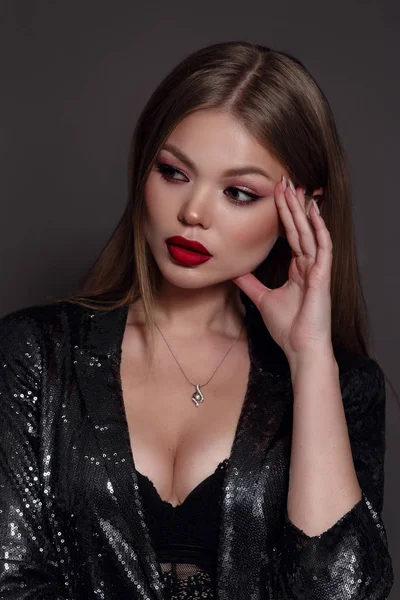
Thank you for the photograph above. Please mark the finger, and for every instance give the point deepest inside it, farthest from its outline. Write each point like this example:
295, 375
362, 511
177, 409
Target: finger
253, 287
285, 214
324, 257
301, 194
307, 239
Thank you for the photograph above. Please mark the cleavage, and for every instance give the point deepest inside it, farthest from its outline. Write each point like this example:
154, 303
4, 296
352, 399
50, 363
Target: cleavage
198, 489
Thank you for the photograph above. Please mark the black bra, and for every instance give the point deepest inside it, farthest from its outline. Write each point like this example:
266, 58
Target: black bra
188, 532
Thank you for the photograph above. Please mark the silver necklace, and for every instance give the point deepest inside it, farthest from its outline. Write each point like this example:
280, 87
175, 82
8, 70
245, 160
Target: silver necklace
198, 396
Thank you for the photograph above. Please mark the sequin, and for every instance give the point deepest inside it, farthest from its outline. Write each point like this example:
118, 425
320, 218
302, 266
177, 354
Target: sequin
80, 531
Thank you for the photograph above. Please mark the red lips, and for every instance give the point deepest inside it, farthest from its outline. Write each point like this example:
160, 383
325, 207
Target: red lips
178, 240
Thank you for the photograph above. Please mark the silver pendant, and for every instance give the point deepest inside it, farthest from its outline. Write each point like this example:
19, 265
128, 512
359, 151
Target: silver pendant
197, 396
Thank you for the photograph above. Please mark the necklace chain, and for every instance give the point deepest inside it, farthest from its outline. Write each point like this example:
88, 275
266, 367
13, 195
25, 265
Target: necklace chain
198, 397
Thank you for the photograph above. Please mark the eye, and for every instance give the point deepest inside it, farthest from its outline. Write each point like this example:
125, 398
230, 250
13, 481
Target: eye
167, 172
250, 197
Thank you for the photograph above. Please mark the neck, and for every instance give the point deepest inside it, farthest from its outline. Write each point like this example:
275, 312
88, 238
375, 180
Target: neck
186, 312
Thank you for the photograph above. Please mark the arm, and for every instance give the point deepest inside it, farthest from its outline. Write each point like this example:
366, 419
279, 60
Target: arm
28, 567
334, 542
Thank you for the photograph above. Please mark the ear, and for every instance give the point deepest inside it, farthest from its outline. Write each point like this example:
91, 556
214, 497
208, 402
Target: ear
316, 196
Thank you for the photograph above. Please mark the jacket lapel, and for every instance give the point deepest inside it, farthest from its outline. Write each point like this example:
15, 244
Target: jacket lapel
248, 483
256, 481
101, 388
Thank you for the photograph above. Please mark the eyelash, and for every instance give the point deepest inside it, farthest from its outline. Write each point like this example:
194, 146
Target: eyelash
162, 168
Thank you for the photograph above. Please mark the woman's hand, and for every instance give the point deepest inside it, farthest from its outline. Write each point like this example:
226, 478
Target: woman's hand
298, 314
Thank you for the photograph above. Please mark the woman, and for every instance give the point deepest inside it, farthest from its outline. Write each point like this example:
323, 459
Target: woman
205, 422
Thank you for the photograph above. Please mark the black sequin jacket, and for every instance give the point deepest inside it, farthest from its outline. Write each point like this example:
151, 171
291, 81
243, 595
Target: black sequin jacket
71, 518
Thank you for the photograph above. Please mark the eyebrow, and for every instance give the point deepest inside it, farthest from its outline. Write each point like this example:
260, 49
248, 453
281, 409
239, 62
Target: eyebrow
245, 170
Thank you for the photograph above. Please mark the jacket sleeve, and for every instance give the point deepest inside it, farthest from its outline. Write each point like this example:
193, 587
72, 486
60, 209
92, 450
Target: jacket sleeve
350, 559
28, 567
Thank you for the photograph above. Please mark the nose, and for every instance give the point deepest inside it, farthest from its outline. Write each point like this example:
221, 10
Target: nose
197, 209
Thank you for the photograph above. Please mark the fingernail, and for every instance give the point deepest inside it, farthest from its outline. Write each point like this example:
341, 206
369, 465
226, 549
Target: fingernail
284, 184
292, 187
316, 206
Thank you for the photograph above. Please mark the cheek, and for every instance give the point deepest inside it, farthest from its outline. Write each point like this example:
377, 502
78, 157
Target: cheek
257, 232
151, 215
250, 241
154, 202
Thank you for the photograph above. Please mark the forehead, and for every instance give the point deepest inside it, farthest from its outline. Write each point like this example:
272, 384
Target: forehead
211, 137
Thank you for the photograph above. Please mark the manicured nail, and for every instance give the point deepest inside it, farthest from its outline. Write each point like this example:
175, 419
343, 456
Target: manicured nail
284, 184
316, 206
292, 188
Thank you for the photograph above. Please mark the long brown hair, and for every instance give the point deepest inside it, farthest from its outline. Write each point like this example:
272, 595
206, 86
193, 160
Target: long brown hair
274, 96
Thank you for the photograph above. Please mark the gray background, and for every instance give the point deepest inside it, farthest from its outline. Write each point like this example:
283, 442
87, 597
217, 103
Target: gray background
76, 74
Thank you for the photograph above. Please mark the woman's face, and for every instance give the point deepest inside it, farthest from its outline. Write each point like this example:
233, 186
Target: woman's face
201, 201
